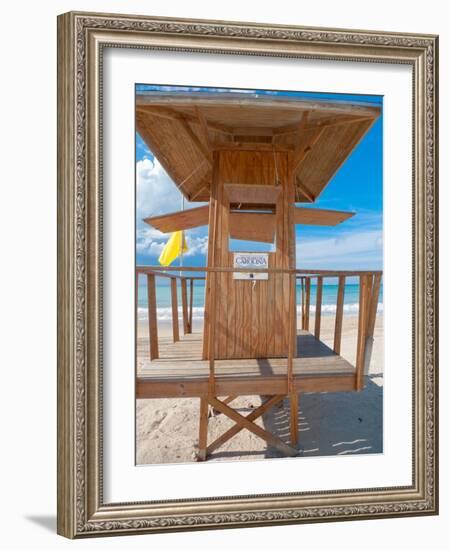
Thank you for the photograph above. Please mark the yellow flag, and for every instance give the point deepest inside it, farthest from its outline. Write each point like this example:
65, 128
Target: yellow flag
175, 246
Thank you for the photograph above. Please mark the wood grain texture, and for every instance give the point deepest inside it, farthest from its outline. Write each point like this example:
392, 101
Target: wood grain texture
174, 304
183, 219
339, 315
152, 317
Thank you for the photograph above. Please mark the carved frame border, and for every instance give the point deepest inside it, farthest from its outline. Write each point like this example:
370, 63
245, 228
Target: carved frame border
81, 38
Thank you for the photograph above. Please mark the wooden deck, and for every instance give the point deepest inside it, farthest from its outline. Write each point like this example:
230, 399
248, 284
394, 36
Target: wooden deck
180, 371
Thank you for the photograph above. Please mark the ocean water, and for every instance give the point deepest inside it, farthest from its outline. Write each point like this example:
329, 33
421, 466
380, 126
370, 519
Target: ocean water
329, 296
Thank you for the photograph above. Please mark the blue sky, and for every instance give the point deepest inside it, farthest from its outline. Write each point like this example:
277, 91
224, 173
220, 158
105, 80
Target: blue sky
357, 186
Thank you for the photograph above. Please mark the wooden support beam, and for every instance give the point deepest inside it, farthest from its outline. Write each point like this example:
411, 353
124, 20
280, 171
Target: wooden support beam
307, 301
203, 429
174, 299
184, 306
303, 152
234, 430
372, 315
303, 302
318, 315
204, 126
304, 191
254, 428
336, 121
152, 317
170, 114
294, 417
363, 317
339, 316
191, 303
194, 137
293, 395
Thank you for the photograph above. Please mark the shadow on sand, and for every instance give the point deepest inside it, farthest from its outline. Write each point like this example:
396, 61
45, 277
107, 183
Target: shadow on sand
340, 423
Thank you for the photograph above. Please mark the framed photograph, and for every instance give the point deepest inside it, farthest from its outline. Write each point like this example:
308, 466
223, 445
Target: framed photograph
247, 287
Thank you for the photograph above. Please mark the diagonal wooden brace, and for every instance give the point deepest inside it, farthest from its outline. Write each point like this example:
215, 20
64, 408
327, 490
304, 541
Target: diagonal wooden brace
271, 402
254, 428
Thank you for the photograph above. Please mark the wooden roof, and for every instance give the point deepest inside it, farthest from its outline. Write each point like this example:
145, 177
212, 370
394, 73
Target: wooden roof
183, 129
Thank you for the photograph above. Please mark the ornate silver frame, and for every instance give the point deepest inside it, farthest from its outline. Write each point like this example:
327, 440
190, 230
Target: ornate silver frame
81, 38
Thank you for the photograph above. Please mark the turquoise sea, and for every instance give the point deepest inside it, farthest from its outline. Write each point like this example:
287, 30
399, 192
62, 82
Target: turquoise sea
329, 295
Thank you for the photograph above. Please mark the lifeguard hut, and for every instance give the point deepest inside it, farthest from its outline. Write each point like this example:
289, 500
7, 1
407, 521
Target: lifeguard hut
252, 158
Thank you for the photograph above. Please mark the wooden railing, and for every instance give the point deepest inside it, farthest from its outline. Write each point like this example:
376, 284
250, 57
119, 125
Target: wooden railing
369, 286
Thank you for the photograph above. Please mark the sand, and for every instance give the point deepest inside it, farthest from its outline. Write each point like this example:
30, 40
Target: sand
337, 423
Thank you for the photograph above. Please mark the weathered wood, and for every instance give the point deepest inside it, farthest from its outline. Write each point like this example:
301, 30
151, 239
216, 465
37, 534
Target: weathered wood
180, 371
147, 388
234, 430
303, 302
374, 292
195, 139
254, 428
156, 269
174, 302
364, 298
252, 226
318, 314
293, 397
183, 219
184, 306
251, 194
339, 315
191, 303
178, 138
203, 429
304, 150
319, 216
307, 301
152, 317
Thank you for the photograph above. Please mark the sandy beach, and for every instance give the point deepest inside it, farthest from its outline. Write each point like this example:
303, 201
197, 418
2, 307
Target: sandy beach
329, 423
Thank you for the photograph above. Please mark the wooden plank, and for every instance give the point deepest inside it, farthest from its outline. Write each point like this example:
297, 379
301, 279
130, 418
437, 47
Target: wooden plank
293, 397
304, 190
252, 226
195, 139
254, 428
319, 216
339, 315
372, 314
147, 388
364, 297
234, 430
301, 153
251, 194
318, 314
174, 301
307, 301
152, 317
178, 221
191, 303
184, 306
203, 429
375, 290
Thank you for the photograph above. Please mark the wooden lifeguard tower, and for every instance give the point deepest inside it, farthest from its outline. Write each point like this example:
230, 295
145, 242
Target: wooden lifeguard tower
252, 158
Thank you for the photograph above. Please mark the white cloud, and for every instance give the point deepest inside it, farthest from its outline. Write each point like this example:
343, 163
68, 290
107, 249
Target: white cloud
155, 191
157, 194
355, 250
